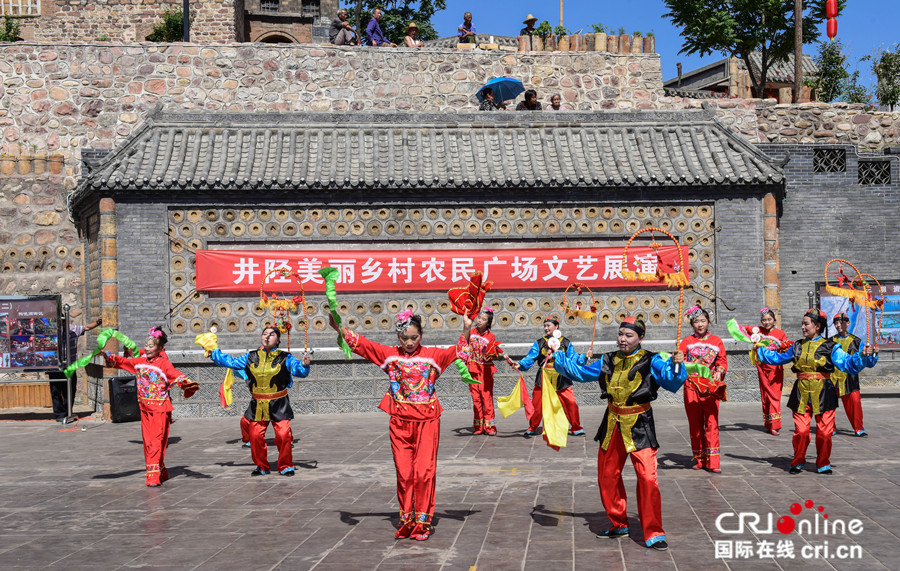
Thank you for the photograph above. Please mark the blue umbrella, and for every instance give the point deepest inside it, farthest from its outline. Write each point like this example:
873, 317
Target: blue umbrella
505, 88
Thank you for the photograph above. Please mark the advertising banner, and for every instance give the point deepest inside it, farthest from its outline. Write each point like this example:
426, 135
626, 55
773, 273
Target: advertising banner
890, 326
28, 332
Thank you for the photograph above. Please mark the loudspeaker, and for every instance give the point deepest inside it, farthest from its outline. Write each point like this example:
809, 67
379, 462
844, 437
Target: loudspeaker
123, 400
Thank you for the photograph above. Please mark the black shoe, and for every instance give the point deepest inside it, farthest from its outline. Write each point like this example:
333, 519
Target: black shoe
530, 433
613, 533
660, 546
828, 471
259, 472
796, 469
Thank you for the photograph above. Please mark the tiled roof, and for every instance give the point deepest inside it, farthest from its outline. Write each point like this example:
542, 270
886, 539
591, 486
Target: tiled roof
245, 152
783, 72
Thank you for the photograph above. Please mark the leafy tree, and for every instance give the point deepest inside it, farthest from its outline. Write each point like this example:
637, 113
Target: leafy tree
740, 27
886, 66
171, 29
833, 74
544, 29
10, 30
397, 15
598, 28
560, 31
855, 92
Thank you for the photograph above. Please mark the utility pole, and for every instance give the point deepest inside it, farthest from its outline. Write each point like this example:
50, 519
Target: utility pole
560, 12
358, 19
798, 47
186, 18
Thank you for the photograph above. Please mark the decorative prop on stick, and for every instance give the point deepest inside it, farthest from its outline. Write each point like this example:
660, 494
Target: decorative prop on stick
281, 307
468, 300
855, 288
672, 275
578, 309
879, 303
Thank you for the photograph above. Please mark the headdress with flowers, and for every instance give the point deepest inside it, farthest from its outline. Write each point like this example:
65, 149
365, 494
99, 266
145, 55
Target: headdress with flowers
403, 320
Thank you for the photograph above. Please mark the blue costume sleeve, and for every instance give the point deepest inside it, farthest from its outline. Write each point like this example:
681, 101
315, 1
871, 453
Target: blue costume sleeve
769, 357
569, 367
223, 360
529, 359
296, 367
851, 364
664, 374
572, 354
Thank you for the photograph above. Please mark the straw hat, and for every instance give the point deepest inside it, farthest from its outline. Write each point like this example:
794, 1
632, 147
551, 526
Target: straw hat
529, 18
411, 26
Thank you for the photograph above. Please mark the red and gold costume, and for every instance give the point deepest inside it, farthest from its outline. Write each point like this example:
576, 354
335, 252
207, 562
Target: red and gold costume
629, 382
562, 385
415, 420
847, 386
155, 377
702, 396
483, 348
771, 380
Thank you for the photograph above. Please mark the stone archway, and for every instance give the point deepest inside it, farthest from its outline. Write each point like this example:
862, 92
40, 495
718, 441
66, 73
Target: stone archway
276, 37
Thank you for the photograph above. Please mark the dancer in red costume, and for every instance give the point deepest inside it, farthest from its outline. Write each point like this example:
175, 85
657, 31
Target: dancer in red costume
704, 389
483, 349
540, 351
847, 386
771, 377
415, 413
155, 376
814, 395
629, 379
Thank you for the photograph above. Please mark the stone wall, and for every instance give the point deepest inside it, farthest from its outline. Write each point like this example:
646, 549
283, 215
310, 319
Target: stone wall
828, 123
125, 20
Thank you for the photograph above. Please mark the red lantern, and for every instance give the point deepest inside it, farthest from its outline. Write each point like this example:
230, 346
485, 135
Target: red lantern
832, 28
831, 9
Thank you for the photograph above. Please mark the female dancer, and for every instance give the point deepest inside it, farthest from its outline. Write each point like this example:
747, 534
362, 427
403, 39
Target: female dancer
771, 377
155, 376
483, 350
815, 358
629, 379
415, 413
702, 393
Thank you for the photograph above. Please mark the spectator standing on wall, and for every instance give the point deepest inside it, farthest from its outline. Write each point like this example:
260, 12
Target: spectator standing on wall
341, 33
531, 103
375, 37
488, 103
529, 22
466, 31
412, 37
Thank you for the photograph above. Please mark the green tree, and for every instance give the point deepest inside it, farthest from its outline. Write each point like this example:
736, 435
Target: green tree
886, 66
397, 15
853, 91
171, 29
740, 27
10, 30
833, 74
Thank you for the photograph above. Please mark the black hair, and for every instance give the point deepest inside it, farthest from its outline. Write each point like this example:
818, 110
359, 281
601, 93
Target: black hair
161, 339
638, 326
414, 320
818, 317
276, 330
490, 316
552, 320
487, 91
703, 312
530, 93
769, 312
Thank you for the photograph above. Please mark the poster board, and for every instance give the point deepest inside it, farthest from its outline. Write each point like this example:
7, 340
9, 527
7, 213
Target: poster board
29, 329
890, 330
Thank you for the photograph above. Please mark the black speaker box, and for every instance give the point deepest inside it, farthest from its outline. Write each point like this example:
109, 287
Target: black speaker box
123, 400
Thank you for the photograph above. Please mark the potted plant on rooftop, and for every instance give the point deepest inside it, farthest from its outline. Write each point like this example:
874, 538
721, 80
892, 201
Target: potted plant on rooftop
637, 42
624, 42
562, 38
545, 32
599, 37
650, 43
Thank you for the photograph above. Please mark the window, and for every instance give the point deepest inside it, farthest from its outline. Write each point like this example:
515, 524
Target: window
874, 172
310, 8
829, 160
20, 7
268, 5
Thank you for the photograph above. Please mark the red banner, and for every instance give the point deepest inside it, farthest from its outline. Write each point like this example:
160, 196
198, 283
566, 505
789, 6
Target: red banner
432, 270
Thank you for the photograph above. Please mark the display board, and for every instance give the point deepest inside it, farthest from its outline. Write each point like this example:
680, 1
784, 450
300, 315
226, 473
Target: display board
29, 330
890, 326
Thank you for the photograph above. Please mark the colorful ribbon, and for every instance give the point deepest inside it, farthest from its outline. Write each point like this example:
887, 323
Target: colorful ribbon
464, 372
331, 275
699, 369
102, 340
736, 331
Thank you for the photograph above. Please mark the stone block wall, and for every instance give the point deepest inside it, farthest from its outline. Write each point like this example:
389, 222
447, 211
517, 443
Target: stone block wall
828, 123
125, 21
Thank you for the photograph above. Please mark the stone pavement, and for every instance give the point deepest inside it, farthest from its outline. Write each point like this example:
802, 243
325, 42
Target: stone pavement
76, 499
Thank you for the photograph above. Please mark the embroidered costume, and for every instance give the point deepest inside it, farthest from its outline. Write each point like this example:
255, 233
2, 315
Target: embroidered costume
771, 379
702, 396
847, 386
415, 421
629, 382
154, 379
483, 348
269, 376
814, 395
559, 382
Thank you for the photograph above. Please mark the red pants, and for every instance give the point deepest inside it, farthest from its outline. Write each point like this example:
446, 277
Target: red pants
771, 381
155, 433
245, 429
415, 447
612, 487
853, 408
483, 397
824, 428
703, 423
259, 451
569, 405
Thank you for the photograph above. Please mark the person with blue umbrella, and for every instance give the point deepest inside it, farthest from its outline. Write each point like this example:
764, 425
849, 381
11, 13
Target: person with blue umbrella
501, 89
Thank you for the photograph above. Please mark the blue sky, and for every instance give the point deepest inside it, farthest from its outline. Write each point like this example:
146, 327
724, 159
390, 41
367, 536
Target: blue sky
864, 26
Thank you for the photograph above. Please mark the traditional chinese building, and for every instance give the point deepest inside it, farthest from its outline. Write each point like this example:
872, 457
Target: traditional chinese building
537, 204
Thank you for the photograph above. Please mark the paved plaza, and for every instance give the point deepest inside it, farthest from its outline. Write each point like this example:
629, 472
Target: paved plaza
75, 499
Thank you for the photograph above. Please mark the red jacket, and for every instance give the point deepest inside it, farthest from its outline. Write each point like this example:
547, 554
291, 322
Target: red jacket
154, 379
